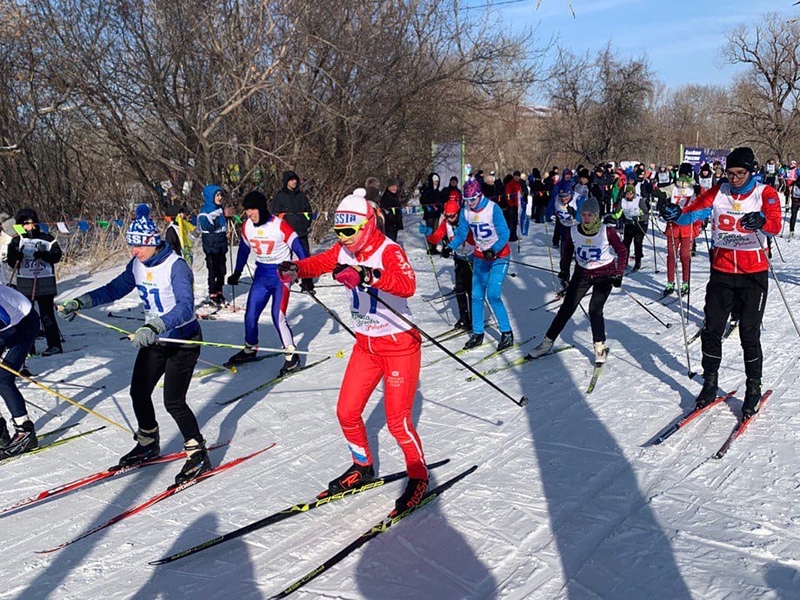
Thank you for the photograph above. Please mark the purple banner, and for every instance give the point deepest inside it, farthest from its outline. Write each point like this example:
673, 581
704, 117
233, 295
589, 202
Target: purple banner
698, 156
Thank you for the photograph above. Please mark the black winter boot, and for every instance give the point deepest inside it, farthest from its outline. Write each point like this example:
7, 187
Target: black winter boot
475, 341
147, 448
412, 496
752, 397
506, 340
5, 439
197, 461
355, 476
709, 391
24, 440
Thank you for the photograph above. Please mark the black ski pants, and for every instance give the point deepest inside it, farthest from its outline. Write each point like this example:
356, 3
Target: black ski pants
578, 286
48, 318
635, 232
464, 288
176, 363
216, 272
724, 293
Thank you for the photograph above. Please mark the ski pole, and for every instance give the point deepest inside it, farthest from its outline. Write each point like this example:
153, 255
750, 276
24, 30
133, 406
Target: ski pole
689, 372
650, 312
780, 288
436, 277
545, 269
778, 248
128, 334
333, 315
521, 402
653, 231
550, 256
63, 397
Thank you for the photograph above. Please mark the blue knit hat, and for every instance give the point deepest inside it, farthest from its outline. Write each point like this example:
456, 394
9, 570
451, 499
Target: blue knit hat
142, 231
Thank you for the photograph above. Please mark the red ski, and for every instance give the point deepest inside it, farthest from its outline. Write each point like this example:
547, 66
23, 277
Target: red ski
170, 491
686, 419
99, 476
741, 426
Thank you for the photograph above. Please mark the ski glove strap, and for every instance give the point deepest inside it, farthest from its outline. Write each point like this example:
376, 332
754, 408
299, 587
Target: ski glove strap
70, 307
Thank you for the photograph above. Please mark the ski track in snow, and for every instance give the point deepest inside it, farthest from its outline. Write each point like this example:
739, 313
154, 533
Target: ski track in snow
565, 502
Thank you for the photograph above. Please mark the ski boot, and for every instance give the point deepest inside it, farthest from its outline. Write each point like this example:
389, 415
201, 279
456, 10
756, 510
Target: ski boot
506, 340
218, 300
355, 476
292, 363
670, 289
541, 349
752, 398
197, 461
146, 448
475, 341
709, 391
637, 265
685, 289
5, 439
24, 439
247, 354
600, 353
52, 350
412, 496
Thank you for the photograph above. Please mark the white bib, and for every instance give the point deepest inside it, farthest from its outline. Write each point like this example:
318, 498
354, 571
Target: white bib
29, 267
726, 215
370, 317
466, 249
592, 252
268, 241
154, 285
13, 305
482, 226
630, 208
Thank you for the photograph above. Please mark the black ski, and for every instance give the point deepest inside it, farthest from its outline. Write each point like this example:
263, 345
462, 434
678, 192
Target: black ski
291, 511
373, 532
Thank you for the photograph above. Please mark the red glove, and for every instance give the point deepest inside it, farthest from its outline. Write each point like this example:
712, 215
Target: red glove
287, 272
353, 276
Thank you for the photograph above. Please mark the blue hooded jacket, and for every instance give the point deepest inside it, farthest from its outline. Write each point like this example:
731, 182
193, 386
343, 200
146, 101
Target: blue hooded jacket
212, 224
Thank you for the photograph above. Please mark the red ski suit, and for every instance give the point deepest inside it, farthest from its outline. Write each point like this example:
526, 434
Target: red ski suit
392, 355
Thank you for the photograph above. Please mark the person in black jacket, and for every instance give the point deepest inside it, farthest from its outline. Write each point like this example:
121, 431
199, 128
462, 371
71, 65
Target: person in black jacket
392, 210
431, 203
292, 205
32, 255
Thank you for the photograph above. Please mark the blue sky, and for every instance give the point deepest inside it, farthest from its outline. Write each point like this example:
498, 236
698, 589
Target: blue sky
681, 38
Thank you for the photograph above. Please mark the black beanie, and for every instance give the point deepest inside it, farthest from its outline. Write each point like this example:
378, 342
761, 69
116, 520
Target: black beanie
740, 158
685, 169
256, 199
26, 214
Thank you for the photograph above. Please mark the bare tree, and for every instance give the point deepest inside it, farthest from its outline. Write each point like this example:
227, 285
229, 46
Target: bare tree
598, 103
765, 103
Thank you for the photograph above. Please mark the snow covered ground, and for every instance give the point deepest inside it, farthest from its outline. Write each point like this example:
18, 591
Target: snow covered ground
565, 503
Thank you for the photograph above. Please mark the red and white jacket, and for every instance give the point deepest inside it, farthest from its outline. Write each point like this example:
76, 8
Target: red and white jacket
737, 250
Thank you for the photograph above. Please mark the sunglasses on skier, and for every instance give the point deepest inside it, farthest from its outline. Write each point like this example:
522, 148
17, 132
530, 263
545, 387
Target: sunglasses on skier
346, 232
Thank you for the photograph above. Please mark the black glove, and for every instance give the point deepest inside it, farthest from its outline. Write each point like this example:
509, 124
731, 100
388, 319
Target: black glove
447, 252
609, 219
669, 212
753, 221
39, 254
489, 254
616, 281
233, 278
287, 272
564, 285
